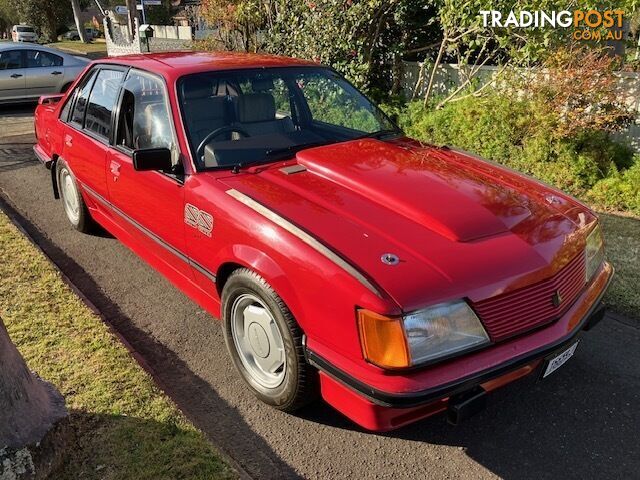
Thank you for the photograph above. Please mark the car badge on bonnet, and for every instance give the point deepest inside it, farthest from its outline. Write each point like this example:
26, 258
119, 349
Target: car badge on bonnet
390, 259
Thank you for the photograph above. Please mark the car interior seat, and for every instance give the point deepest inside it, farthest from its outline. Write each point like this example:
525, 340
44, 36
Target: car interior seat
256, 115
203, 111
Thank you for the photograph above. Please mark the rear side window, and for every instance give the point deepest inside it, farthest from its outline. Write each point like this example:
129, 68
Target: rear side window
101, 102
82, 97
37, 59
10, 60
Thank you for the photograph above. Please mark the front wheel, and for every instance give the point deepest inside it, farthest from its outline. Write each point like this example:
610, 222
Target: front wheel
265, 343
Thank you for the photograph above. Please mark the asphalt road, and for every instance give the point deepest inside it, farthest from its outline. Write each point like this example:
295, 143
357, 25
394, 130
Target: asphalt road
581, 422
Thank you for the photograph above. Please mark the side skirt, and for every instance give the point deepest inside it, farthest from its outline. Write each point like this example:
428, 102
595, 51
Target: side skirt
186, 285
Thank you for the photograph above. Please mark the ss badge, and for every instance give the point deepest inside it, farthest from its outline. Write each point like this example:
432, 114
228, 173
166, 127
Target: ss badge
196, 218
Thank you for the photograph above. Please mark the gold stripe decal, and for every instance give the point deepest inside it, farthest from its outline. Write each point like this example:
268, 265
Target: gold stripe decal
304, 236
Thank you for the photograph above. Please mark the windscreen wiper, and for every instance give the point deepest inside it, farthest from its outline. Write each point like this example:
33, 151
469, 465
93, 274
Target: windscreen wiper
378, 135
291, 149
279, 154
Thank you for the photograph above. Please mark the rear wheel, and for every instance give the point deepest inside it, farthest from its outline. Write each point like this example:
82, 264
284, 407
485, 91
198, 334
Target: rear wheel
265, 343
74, 205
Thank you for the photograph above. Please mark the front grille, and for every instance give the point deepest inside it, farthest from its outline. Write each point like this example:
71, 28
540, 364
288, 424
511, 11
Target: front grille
530, 307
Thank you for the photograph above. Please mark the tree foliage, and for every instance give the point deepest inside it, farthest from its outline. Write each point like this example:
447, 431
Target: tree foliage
580, 87
236, 22
361, 38
8, 14
367, 40
48, 16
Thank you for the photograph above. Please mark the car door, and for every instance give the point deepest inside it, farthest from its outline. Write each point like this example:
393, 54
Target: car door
44, 72
150, 204
88, 131
12, 75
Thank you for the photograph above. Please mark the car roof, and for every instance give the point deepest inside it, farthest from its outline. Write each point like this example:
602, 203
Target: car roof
28, 46
172, 65
35, 46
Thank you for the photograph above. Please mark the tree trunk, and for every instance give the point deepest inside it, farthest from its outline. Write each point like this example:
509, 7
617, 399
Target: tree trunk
32, 414
75, 5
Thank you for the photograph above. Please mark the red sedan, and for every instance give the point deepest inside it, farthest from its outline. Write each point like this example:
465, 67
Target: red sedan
393, 278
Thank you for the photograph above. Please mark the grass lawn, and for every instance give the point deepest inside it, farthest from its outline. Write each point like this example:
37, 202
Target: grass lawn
126, 427
622, 237
76, 46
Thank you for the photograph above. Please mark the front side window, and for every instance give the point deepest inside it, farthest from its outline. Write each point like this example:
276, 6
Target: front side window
104, 95
144, 114
81, 99
253, 116
10, 59
37, 59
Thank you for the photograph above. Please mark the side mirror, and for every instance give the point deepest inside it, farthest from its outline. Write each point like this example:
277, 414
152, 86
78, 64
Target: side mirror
152, 159
50, 99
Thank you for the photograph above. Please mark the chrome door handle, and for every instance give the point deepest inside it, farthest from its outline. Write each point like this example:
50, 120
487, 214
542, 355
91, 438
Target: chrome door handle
115, 168
16, 75
56, 73
68, 140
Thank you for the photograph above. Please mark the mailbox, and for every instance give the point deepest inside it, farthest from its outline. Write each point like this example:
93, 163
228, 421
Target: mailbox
145, 31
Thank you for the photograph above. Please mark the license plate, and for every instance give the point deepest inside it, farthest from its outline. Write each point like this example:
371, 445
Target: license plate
556, 362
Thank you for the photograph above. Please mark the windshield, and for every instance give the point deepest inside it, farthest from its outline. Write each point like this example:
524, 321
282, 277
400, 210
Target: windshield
242, 117
25, 29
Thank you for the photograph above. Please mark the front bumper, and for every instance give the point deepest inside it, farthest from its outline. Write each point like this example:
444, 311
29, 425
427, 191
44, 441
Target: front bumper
377, 409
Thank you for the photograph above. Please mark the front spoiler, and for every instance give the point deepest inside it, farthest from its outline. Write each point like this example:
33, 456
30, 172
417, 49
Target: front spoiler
431, 395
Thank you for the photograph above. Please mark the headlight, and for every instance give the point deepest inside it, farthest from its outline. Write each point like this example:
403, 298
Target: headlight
594, 252
422, 336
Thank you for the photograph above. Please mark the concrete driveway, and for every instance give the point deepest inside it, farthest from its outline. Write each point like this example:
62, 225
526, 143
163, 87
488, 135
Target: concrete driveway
581, 422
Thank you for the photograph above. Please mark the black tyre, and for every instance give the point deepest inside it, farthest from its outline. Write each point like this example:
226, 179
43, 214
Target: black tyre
74, 206
265, 343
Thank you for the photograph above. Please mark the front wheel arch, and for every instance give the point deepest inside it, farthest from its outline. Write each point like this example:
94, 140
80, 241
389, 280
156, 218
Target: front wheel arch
224, 272
244, 256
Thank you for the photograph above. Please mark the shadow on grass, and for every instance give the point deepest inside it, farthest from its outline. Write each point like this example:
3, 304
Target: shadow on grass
110, 446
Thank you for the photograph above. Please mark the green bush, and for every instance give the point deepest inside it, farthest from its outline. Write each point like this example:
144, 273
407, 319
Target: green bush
520, 134
620, 191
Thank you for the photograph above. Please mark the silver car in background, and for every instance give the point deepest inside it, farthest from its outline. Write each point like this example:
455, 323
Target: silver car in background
28, 71
23, 33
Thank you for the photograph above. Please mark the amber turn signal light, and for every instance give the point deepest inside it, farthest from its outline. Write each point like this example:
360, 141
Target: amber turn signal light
383, 340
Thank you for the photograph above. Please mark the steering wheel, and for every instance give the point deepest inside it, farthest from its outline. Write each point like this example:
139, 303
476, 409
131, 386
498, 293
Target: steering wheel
217, 132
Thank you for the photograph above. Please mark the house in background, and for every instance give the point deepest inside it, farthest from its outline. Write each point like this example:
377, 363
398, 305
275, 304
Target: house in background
187, 13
